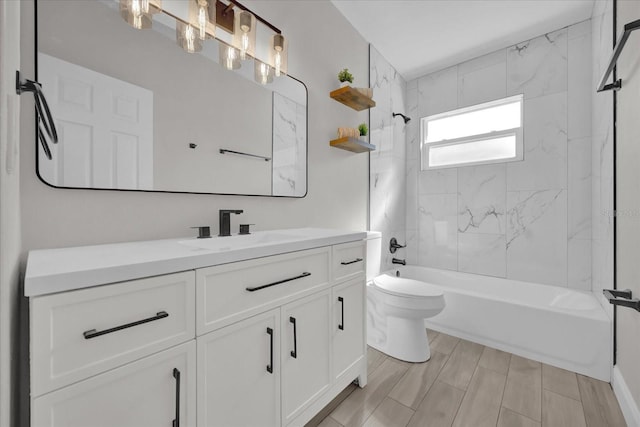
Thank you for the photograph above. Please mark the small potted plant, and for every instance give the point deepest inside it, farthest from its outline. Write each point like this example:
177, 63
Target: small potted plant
345, 77
363, 129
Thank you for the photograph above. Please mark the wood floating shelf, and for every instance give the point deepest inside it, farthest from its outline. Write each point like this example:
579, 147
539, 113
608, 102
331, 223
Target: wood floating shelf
353, 97
352, 144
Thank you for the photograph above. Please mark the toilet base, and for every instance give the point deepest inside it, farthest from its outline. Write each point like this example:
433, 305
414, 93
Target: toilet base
405, 339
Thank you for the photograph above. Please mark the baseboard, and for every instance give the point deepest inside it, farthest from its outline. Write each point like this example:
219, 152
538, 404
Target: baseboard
628, 405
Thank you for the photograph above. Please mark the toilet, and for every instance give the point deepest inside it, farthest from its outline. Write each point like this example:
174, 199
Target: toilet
396, 309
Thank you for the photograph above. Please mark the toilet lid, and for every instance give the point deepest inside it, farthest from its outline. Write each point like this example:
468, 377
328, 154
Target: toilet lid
405, 287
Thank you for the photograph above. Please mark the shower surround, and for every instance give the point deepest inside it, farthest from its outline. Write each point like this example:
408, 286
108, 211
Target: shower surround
530, 220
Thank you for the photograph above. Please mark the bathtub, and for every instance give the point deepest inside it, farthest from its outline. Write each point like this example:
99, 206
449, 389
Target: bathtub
558, 326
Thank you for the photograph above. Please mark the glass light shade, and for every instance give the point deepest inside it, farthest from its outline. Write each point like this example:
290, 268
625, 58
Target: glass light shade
278, 54
187, 37
202, 16
244, 34
228, 56
263, 73
137, 13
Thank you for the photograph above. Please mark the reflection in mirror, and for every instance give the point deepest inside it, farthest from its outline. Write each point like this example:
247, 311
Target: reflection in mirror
136, 112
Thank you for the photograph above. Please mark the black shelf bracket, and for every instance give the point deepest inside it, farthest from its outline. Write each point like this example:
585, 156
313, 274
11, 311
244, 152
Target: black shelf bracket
622, 40
621, 298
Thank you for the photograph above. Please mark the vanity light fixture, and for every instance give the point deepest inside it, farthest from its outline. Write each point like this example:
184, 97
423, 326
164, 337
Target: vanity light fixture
228, 56
278, 54
186, 37
263, 73
137, 13
245, 34
202, 16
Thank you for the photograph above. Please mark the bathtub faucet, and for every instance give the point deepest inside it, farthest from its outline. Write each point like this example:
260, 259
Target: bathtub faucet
398, 261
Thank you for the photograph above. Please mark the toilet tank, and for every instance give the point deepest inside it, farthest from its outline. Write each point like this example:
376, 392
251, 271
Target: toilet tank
374, 253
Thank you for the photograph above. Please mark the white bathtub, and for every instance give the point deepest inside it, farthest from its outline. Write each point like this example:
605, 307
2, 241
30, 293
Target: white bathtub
558, 326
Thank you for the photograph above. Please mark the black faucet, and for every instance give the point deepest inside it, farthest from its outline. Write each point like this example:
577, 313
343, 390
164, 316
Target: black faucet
225, 221
398, 261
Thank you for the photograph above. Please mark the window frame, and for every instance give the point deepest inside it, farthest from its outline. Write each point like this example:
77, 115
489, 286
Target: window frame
517, 132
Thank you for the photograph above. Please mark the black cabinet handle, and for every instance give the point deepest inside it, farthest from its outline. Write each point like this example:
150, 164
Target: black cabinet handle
294, 352
92, 333
257, 288
351, 262
176, 375
270, 365
341, 325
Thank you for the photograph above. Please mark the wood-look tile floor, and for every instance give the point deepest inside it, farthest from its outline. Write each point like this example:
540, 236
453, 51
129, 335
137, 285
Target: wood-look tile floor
469, 385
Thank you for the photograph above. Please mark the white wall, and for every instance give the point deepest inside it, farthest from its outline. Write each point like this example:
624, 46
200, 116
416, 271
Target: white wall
9, 209
628, 201
527, 220
387, 169
321, 43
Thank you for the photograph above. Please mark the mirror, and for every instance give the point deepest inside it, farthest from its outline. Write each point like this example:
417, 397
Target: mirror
134, 111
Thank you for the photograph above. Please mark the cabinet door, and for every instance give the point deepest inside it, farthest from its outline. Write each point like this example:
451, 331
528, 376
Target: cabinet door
306, 369
158, 390
348, 325
238, 374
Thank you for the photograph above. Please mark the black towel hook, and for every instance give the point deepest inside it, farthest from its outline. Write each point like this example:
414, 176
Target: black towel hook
45, 119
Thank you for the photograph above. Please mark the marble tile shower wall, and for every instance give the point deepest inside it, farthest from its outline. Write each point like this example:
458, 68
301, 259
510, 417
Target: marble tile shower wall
528, 220
387, 163
602, 152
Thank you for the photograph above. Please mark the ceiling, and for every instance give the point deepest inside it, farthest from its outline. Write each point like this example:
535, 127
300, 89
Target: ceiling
421, 36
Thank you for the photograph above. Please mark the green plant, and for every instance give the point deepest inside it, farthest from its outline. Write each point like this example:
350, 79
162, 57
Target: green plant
363, 129
345, 76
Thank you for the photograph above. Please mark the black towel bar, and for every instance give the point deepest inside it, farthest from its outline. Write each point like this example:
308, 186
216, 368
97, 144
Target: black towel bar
622, 298
630, 27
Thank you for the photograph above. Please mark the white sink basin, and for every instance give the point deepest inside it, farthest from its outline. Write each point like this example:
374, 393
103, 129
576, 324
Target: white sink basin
229, 243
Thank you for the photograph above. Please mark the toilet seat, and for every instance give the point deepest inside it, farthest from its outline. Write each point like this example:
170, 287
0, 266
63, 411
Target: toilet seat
403, 287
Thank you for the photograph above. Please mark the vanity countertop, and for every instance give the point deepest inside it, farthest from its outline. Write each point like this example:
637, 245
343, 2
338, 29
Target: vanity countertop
56, 270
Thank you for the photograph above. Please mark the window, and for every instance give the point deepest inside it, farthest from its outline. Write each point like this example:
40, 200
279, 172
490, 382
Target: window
483, 133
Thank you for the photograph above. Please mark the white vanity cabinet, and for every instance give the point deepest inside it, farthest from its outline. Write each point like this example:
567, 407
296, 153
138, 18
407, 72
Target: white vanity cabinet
239, 373
157, 390
348, 334
79, 337
264, 341
306, 353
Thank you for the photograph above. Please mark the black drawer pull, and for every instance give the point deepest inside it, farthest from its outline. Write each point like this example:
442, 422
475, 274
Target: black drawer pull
176, 375
341, 325
351, 262
270, 365
92, 333
294, 352
257, 288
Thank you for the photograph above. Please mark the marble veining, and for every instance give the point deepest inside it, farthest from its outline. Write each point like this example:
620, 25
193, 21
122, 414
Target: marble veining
540, 220
289, 147
388, 189
538, 66
529, 208
602, 151
481, 199
482, 254
537, 236
545, 146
